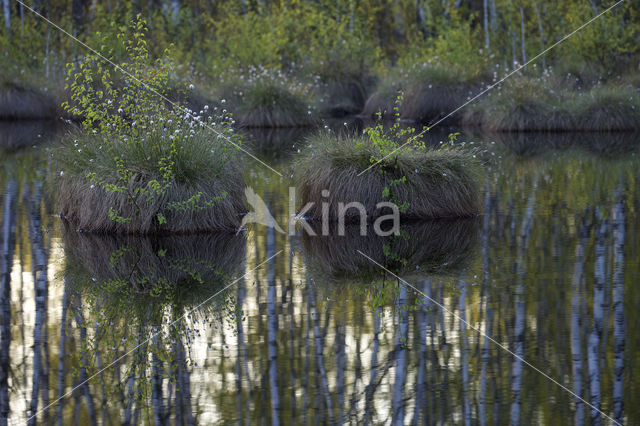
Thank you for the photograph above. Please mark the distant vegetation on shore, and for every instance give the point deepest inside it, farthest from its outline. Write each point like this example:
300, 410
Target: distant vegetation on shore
290, 64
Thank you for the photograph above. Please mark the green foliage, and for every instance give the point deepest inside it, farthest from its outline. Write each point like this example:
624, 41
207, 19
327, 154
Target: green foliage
137, 144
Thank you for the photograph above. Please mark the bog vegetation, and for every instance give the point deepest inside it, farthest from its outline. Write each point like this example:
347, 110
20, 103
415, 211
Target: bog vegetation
289, 63
388, 164
140, 164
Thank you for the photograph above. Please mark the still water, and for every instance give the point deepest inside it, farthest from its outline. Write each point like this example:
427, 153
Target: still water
527, 314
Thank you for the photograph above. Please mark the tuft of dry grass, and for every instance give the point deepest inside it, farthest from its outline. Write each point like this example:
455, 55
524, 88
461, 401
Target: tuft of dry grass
433, 247
202, 165
21, 102
439, 182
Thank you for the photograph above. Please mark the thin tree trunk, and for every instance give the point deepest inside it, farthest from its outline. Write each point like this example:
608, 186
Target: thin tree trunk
522, 38
543, 39
485, 24
7, 15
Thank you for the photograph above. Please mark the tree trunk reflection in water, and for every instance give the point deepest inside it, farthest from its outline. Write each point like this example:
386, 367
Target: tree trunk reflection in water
62, 351
422, 318
321, 372
6, 262
576, 322
272, 326
464, 353
619, 324
368, 410
84, 362
593, 349
400, 355
520, 311
39, 261
486, 229
341, 365
242, 362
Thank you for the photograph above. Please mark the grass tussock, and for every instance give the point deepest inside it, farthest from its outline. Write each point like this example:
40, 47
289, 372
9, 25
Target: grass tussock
344, 95
434, 247
439, 183
22, 102
431, 91
205, 169
545, 104
607, 108
267, 99
521, 104
129, 272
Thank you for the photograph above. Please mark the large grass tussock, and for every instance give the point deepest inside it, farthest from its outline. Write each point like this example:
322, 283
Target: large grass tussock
439, 182
203, 166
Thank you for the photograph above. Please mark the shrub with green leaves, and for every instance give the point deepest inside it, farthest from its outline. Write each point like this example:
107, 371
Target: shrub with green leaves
144, 164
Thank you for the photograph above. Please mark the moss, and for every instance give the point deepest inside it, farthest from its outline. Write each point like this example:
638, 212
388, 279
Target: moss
439, 182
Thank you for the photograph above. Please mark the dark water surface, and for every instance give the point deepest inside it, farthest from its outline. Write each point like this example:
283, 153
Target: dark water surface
529, 313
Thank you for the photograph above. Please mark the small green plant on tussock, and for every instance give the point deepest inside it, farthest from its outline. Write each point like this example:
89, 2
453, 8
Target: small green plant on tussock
387, 142
424, 182
145, 165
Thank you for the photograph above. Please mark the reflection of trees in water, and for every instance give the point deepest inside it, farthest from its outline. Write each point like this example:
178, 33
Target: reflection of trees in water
6, 263
301, 357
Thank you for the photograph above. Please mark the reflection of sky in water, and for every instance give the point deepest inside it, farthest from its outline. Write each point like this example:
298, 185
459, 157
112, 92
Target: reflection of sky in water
568, 182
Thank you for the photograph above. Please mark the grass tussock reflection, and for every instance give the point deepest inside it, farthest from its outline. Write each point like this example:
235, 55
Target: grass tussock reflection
129, 273
438, 247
